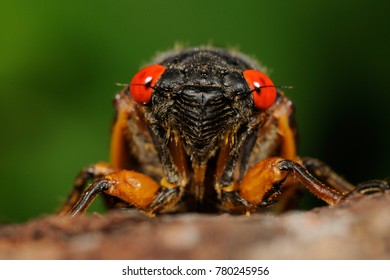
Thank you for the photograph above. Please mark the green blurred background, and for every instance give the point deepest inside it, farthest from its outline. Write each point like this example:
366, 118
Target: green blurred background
60, 61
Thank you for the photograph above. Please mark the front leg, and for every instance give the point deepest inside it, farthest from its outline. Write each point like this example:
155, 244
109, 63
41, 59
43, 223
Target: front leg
262, 183
133, 188
324, 173
88, 174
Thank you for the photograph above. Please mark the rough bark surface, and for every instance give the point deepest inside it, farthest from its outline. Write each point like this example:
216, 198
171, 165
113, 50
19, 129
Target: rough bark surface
358, 228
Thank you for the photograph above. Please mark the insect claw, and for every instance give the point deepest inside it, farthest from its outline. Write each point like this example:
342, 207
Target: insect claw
165, 196
267, 203
276, 187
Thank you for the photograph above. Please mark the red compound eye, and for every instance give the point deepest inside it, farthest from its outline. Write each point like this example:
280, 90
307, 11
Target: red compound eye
264, 91
141, 86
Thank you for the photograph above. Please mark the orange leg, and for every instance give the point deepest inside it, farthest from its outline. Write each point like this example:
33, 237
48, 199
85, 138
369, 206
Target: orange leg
131, 187
262, 183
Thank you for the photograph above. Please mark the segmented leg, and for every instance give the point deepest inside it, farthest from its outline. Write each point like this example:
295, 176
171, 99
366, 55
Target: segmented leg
131, 187
319, 189
372, 186
324, 173
88, 174
262, 183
